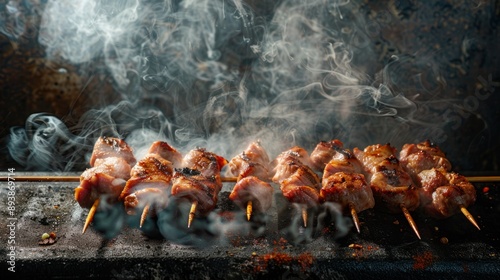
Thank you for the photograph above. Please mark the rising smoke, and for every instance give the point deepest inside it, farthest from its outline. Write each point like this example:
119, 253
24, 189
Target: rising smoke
217, 74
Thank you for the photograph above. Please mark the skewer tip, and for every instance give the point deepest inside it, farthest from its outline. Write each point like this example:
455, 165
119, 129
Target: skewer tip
249, 210
355, 218
469, 216
411, 221
304, 215
144, 215
90, 216
192, 212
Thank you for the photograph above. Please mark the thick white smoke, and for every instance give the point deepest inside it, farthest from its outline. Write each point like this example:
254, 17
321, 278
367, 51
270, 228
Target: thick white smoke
214, 73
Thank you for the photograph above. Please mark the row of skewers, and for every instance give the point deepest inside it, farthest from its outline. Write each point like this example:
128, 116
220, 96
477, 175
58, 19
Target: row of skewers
357, 180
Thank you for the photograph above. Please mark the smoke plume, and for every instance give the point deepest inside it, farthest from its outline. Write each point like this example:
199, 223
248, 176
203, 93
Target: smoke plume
216, 74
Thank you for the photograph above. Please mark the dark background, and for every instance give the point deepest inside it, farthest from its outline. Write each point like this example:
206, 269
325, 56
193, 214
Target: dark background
456, 41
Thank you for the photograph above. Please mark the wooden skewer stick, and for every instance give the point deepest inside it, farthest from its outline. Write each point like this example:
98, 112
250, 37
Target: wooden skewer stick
53, 178
410, 221
91, 214
144, 214
478, 179
249, 210
56, 178
469, 217
192, 212
229, 179
304, 215
354, 215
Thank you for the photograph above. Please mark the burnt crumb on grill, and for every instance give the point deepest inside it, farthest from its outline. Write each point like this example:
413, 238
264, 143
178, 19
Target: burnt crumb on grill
48, 239
422, 261
355, 246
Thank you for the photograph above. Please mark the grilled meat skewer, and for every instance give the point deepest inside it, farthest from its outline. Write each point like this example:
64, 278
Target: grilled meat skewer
252, 190
391, 185
416, 158
442, 193
150, 180
199, 181
342, 182
298, 182
111, 163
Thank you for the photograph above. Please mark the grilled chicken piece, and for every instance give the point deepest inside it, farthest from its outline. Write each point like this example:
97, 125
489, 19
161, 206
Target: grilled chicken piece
164, 150
301, 194
111, 162
151, 179
106, 147
336, 165
343, 160
342, 181
394, 188
416, 158
207, 163
285, 168
192, 185
199, 181
252, 169
251, 188
302, 187
377, 155
297, 153
443, 193
391, 185
324, 153
347, 188
287, 163
298, 182
254, 161
151, 171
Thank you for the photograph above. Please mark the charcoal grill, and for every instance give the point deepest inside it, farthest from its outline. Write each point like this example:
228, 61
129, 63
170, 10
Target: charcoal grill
386, 246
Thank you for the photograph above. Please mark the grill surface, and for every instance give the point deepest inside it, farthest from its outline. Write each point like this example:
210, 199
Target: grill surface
281, 250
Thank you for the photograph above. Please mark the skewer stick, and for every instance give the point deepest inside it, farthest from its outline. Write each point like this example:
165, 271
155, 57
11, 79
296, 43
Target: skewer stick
469, 217
144, 214
91, 214
69, 178
249, 210
304, 215
354, 215
192, 212
52, 178
229, 179
410, 221
478, 179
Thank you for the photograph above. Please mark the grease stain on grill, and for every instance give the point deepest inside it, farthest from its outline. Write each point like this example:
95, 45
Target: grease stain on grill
422, 261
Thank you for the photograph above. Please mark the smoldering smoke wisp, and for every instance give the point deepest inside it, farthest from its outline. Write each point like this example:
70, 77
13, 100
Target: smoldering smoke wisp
215, 74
